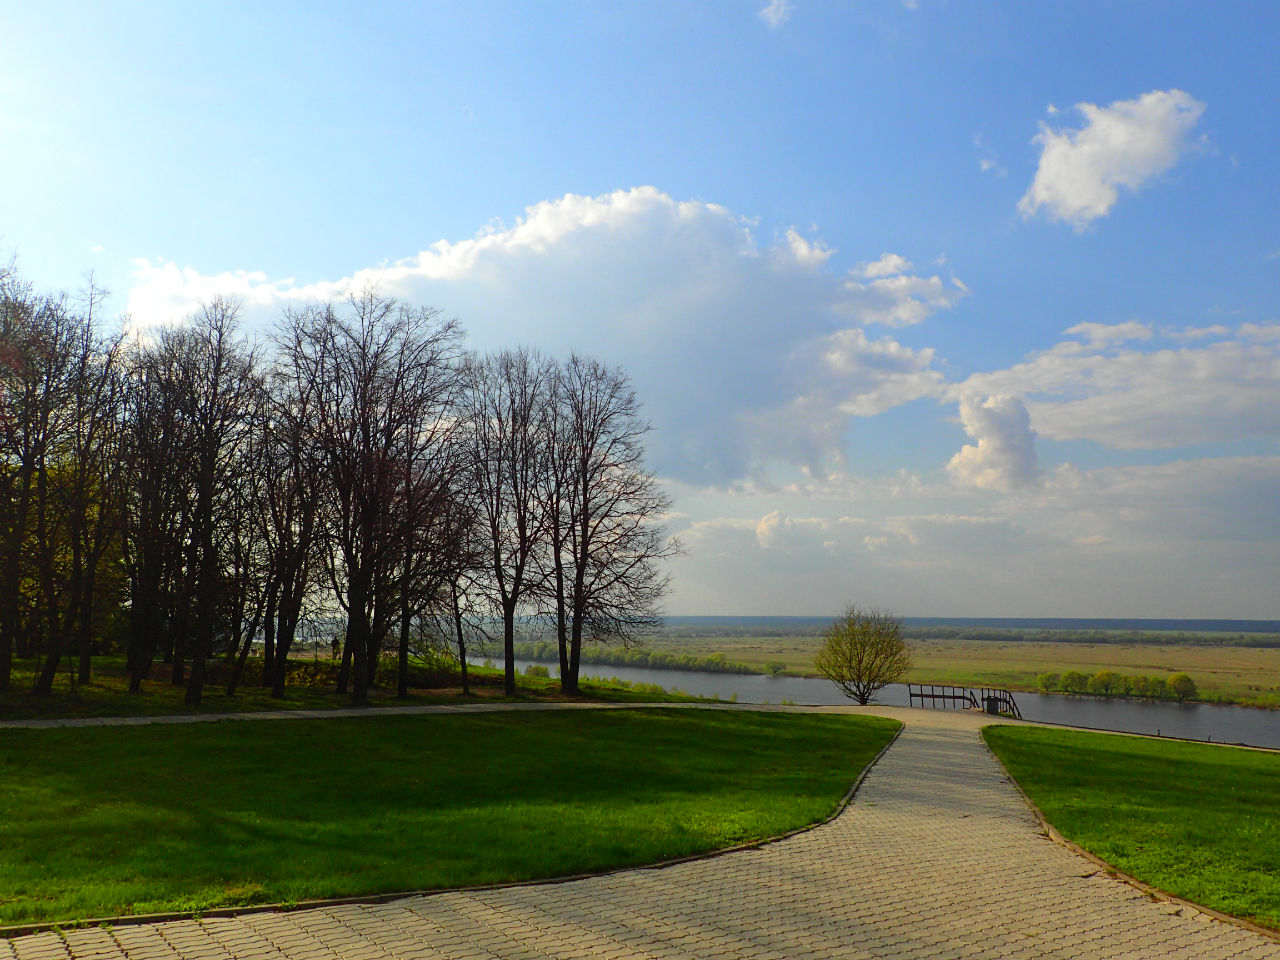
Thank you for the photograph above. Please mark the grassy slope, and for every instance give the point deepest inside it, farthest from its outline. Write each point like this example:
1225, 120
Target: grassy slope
105, 821
1198, 821
1233, 674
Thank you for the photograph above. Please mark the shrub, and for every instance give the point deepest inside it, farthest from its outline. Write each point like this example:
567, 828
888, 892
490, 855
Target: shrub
1104, 682
1047, 682
863, 652
1181, 686
536, 670
1073, 681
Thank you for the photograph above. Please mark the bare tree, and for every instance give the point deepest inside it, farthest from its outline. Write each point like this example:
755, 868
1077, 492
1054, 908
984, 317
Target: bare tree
92, 468
158, 487
383, 373
20, 444
607, 539
505, 396
219, 370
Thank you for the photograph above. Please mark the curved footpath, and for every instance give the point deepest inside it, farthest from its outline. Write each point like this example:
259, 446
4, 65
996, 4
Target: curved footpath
937, 856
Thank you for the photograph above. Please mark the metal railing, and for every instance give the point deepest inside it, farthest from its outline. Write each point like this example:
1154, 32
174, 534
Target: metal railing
994, 700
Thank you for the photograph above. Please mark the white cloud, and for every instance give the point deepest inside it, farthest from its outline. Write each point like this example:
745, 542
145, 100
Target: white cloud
1126, 144
1004, 457
1260, 331
776, 13
988, 160
1187, 334
742, 355
1126, 397
835, 378
900, 301
1107, 334
888, 265
813, 253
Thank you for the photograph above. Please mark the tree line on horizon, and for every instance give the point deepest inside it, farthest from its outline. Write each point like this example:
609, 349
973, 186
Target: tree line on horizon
196, 494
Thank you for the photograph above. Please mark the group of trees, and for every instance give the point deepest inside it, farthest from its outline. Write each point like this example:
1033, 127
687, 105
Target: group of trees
1109, 683
206, 494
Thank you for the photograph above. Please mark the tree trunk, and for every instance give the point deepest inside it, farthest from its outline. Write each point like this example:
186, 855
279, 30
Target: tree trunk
269, 642
195, 683
289, 611
238, 670
509, 646
44, 683
562, 637
358, 639
86, 629
402, 667
344, 671
462, 643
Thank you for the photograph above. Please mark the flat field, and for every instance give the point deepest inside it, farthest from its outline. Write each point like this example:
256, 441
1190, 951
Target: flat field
104, 821
1195, 820
1233, 674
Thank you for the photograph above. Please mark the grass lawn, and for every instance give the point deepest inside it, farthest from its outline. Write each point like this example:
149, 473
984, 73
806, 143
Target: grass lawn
1198, 821
109, 821
107, 695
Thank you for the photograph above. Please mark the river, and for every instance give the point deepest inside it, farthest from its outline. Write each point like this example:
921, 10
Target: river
1191, 721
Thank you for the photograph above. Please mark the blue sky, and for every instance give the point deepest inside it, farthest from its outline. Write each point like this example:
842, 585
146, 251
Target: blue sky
960, 309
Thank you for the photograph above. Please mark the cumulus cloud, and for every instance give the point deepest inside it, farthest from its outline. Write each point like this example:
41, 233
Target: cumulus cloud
1124, 145
776, 13
1004, 457
743, 353
1118, 391
901, 300
888, 265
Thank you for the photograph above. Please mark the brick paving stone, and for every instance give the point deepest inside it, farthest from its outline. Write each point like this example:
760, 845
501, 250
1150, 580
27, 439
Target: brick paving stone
937, 857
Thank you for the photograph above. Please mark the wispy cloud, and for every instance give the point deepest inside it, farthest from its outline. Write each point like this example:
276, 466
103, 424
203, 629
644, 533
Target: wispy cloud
988, 160
776, 13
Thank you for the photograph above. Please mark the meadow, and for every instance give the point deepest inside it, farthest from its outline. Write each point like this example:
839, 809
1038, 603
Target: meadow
104, 821
1226, 673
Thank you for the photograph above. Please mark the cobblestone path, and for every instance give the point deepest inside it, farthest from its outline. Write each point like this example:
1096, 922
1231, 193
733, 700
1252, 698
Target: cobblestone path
938, 856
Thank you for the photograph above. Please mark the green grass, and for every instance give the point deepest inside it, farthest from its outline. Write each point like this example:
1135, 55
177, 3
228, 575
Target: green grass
1201, 822
108, 821
107, 695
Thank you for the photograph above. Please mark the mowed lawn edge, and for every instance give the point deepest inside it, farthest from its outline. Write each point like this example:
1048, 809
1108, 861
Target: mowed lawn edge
112, 821
1198, 821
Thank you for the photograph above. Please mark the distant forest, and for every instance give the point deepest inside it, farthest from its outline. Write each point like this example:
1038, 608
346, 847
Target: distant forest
1241, 633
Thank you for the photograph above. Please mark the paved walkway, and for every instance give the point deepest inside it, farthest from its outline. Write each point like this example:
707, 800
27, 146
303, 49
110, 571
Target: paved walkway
938, 856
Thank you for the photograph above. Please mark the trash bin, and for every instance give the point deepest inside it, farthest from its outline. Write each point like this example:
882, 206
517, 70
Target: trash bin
991, 705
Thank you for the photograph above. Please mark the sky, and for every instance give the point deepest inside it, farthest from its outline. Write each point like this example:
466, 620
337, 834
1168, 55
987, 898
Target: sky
946, 308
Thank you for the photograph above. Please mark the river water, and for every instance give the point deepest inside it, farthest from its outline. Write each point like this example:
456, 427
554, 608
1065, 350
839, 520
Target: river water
1191, 721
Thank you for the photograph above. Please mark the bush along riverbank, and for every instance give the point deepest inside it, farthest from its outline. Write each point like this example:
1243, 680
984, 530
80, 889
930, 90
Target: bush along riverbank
640, 657
1109, 683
